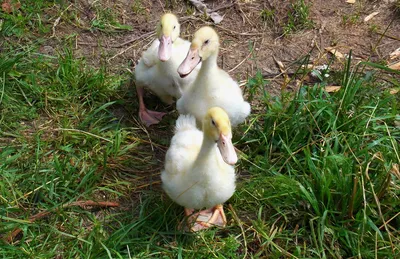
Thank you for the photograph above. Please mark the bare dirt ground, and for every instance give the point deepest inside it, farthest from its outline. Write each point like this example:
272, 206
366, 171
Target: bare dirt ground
248, 42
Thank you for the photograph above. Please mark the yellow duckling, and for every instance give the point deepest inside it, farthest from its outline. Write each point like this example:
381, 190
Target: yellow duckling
157, 68
199, 170
212, 86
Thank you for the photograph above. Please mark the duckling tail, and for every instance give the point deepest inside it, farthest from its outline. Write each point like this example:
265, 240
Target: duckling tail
241, 114
185, 122
246, 109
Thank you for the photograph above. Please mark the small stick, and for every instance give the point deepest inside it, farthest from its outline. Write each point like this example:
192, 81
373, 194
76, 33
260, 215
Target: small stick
223, 7
193, 17
57, 21
238, 65
123, 51
148, 184
82, 204
245, 16
87, 43
161, 6
133, 40
387, 222
240, 33
388, 36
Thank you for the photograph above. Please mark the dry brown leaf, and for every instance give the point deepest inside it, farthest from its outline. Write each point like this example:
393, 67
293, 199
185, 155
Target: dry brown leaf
394, 91
281, 66
350, 1
395, 54
201, 6
308, 66
395, 170
332, 88
370, 16
283, 71
8, 7
395, 66
333, 51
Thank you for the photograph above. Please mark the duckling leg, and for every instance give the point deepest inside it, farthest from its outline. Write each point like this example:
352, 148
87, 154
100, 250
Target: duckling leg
190, 219
218, 218
198, 221
206, 218
148, 117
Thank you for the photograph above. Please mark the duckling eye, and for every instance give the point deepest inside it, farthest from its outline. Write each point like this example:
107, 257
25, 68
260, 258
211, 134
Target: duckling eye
213, 122
206, 42
174, 27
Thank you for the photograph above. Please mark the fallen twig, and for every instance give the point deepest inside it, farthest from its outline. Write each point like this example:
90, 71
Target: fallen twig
241, 33
125, 50
88, 44
57, 21
162, 6
388, 36
223, 7
240, 63
133, 40
102, 204
194, 17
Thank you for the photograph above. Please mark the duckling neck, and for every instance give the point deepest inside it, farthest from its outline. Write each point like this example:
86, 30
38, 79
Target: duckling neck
209, 64
207, 150
177, 42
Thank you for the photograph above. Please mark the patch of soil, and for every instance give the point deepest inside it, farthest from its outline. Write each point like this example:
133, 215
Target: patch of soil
248, 43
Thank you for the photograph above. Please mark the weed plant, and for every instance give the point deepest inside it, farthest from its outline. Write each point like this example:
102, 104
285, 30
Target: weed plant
324, 170
298, 17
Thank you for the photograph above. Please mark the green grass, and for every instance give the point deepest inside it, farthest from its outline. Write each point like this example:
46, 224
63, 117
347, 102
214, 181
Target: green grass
298, 17
321, 163
267, 16
29, 17
350, 19
315, 180
138, 8
106, 20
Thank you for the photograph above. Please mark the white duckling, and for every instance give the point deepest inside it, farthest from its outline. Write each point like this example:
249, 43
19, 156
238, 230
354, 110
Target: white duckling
157, 69
198, 168
212, 86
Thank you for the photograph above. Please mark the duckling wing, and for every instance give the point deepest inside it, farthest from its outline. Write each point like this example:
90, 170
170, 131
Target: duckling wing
184, 148
229, 96
180, 105
180, 157
150, 56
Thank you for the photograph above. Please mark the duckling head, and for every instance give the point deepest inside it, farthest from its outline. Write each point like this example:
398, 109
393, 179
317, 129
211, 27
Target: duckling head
217, 127
205, 43
168, 30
